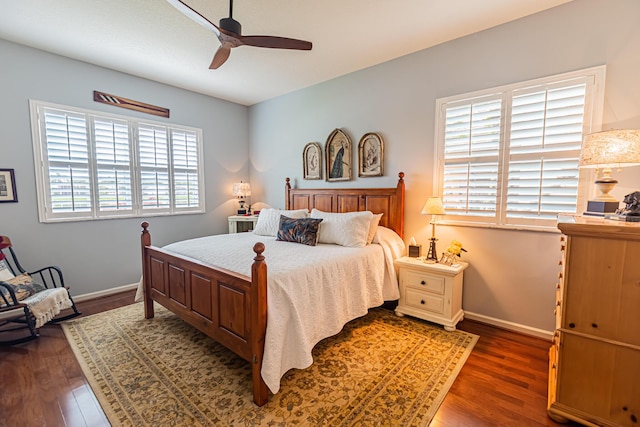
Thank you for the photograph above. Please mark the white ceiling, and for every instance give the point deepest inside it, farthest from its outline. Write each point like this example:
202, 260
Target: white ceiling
152, 39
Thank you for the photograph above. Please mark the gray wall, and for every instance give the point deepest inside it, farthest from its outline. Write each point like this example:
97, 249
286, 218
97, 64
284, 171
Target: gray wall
511, 280
98, 255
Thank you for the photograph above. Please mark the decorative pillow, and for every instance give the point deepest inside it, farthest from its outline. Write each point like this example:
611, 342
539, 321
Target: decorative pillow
349, 229
269, 220
298, 230
373, 227
5, 273
22, 286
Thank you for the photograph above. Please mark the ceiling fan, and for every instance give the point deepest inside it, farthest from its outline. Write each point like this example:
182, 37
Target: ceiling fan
229, 33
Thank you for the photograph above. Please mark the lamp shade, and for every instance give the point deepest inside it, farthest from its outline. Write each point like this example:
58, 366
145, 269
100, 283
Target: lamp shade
433, 206
241, 189
610, 149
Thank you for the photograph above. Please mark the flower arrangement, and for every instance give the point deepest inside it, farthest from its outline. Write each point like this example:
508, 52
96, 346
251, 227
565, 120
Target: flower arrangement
454, 250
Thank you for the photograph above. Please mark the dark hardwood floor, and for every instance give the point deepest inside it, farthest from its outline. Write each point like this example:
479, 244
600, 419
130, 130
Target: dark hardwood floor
503, 383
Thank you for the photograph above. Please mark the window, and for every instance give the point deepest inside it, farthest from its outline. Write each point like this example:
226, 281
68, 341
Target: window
508, 156
91, 165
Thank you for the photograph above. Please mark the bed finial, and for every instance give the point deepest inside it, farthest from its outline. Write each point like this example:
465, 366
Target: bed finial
401, 176
258, 248
287, 193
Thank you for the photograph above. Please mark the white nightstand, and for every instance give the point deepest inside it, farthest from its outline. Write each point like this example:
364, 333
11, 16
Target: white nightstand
431, 292
242, 223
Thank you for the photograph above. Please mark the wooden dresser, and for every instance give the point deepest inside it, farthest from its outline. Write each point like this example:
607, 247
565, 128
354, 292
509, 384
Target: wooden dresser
594, 368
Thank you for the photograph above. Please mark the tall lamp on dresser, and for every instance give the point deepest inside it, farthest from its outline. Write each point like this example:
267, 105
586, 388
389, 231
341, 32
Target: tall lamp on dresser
605, 151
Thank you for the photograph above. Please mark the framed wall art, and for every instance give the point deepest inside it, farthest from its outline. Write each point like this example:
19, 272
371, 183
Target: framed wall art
8, 186
312, 161
338, 156
370, 155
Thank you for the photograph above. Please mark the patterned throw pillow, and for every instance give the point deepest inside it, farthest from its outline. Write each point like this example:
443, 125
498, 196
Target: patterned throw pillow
22, 286
298, 230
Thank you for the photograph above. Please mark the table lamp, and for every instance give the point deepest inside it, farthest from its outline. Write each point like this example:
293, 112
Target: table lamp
433, 207
607, 150
242, 190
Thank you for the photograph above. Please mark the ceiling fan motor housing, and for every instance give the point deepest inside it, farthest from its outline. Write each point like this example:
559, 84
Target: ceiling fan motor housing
231, 24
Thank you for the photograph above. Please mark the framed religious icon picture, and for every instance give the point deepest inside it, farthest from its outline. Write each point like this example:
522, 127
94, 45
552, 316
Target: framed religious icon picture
8, 191
312, 161
338, 156
370, 155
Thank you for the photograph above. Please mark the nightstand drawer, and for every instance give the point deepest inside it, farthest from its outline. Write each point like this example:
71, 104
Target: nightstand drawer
424, 301
423, 282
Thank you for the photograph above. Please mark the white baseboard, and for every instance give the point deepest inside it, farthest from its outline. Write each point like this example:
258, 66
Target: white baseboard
111, 291
516, 327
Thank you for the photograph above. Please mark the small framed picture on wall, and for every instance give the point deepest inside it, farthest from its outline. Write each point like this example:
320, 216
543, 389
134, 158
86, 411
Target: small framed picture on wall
312, 161
8, 191
370, 155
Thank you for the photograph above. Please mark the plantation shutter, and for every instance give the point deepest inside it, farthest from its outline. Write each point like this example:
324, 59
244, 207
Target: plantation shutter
113, 165
154, 167
67, 157
184, 148
471, 156
544, 146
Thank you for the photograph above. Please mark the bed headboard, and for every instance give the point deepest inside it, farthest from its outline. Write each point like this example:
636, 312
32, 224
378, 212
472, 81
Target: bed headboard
387, 201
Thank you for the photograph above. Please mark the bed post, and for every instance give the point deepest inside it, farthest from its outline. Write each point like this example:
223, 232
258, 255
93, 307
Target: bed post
287, 194
258, 323
400, 201
145, 240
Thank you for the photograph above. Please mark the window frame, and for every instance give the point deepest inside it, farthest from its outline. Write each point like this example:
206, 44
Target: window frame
592, 122
42, 166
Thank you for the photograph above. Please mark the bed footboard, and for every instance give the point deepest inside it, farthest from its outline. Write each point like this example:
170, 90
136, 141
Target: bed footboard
226, 306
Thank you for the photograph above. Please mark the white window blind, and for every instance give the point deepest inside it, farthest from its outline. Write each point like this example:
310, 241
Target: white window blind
509, 156
91, 165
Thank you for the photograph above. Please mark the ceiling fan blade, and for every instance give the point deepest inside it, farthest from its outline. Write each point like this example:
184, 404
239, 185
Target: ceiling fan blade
274, 42
221, 56
191, 13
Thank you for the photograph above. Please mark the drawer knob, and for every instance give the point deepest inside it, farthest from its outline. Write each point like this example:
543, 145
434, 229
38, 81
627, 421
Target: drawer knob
422, 301
594, 325
423, 282
572, 325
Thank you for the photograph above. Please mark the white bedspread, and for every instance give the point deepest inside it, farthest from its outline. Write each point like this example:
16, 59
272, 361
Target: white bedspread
313, 291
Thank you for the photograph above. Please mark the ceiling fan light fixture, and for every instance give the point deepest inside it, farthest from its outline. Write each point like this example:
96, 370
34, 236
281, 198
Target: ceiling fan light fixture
231, 24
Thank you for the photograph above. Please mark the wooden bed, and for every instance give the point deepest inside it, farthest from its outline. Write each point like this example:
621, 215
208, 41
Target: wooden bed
232, 308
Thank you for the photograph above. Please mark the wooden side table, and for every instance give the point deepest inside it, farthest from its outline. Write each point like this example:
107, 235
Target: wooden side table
431, 292
242, 223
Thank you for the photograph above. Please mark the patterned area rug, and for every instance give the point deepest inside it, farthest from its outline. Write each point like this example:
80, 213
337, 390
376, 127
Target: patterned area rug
380, 370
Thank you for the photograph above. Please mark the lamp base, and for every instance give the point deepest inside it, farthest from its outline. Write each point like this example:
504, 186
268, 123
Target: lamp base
432, 255
597, 208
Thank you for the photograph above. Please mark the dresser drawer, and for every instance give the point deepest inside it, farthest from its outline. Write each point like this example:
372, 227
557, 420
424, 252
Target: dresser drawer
423, 282
424, 301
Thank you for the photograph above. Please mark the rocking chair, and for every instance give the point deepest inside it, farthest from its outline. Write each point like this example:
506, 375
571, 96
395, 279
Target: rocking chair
28, 300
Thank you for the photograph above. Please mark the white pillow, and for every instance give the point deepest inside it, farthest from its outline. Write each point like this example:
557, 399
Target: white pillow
349, 229
269, 220
373, 227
